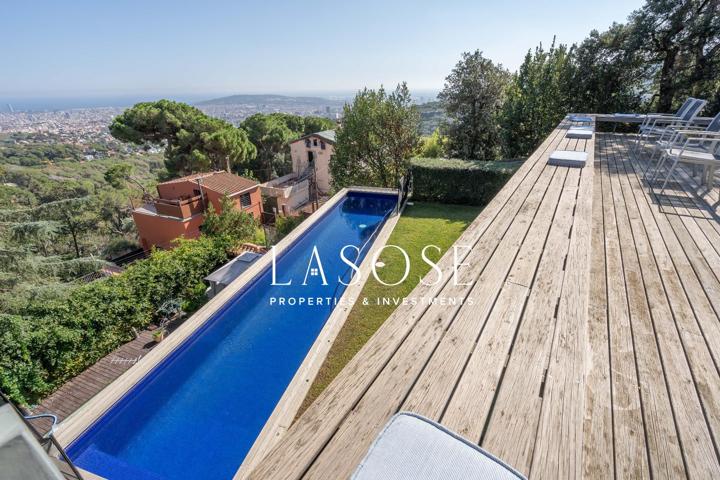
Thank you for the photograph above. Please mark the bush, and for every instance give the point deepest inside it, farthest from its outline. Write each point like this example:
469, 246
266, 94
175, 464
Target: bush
285, 225
57, 338
237, 226
432, 146
458, 181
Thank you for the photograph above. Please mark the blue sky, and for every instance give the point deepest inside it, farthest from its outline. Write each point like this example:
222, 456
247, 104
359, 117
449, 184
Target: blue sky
118, 47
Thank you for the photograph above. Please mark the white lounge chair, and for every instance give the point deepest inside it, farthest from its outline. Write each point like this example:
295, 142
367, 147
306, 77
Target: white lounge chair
649, 116
695, 148
673, 137
655, 126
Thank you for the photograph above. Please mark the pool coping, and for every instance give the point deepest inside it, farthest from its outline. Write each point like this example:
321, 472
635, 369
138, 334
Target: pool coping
83, 418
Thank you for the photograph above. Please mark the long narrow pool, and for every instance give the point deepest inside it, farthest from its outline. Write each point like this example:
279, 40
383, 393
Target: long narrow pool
196, 415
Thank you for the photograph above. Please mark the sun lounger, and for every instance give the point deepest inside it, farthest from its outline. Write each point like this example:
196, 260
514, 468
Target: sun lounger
656, 125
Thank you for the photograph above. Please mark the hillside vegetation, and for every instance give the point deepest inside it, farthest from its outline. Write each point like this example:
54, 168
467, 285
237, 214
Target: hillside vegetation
59, 218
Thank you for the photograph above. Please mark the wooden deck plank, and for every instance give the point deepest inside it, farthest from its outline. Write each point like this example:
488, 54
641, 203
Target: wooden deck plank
598, 448
693, 191
513, 421
558, 446
650, 326
706, 316
692, 374
76, 392
432, 390
470, 404
628, 427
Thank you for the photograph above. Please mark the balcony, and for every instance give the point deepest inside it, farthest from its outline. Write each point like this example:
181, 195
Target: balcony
179, 208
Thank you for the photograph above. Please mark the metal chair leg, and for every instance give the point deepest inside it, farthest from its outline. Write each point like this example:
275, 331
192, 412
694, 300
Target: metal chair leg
649, 163
659, 167
661, 162
667, 177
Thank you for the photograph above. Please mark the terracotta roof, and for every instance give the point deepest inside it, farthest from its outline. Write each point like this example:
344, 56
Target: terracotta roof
221, 182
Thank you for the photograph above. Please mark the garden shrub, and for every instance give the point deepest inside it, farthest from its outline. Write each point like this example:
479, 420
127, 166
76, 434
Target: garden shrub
54, 340
458, 181
286, 224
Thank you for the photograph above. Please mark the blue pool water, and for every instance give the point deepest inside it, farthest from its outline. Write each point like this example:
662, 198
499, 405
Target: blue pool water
197, 414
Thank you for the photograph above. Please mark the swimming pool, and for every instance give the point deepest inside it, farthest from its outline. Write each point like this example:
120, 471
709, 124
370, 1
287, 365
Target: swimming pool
196, 415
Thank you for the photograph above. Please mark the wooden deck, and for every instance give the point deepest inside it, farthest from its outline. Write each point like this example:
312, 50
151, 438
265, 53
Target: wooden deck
76, 392
587, 345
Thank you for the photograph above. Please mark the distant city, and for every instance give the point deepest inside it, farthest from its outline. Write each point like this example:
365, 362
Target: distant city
84, 121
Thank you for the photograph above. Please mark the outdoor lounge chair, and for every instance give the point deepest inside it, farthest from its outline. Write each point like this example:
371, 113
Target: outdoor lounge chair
673, 137
411, 446
647, 118
679, 112
695, 148
656, 125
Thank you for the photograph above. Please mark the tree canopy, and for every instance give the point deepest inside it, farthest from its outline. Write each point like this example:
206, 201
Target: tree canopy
271, 135
378, 136
472, 98
194, 142
536, 99
678, 41
666, 51
237, 226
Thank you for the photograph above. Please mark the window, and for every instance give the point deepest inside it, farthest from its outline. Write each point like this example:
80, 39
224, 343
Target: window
307, 142
322, 145
245, 200
315, 142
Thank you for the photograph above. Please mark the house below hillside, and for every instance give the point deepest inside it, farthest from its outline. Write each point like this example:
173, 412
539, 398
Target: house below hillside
182, 202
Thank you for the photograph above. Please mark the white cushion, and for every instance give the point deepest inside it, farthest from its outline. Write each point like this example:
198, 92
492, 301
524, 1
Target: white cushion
566, 158
413, 447
691, 155
580, 118
579, 133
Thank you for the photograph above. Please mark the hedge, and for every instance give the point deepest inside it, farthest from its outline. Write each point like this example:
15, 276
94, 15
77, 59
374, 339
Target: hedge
465, 182
51, 341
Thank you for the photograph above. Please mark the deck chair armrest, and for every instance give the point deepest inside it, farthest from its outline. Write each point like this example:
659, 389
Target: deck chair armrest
695, 128
710, 144
650, 117
694, 134
701, 122
673, 132
669, 121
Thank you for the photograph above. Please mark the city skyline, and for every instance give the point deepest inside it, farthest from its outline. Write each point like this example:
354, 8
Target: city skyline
89, 49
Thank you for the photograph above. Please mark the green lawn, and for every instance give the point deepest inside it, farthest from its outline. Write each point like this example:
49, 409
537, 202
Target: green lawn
421, 224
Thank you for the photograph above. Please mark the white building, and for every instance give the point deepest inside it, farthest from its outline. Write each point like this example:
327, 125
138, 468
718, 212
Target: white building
313, 152
310, 157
